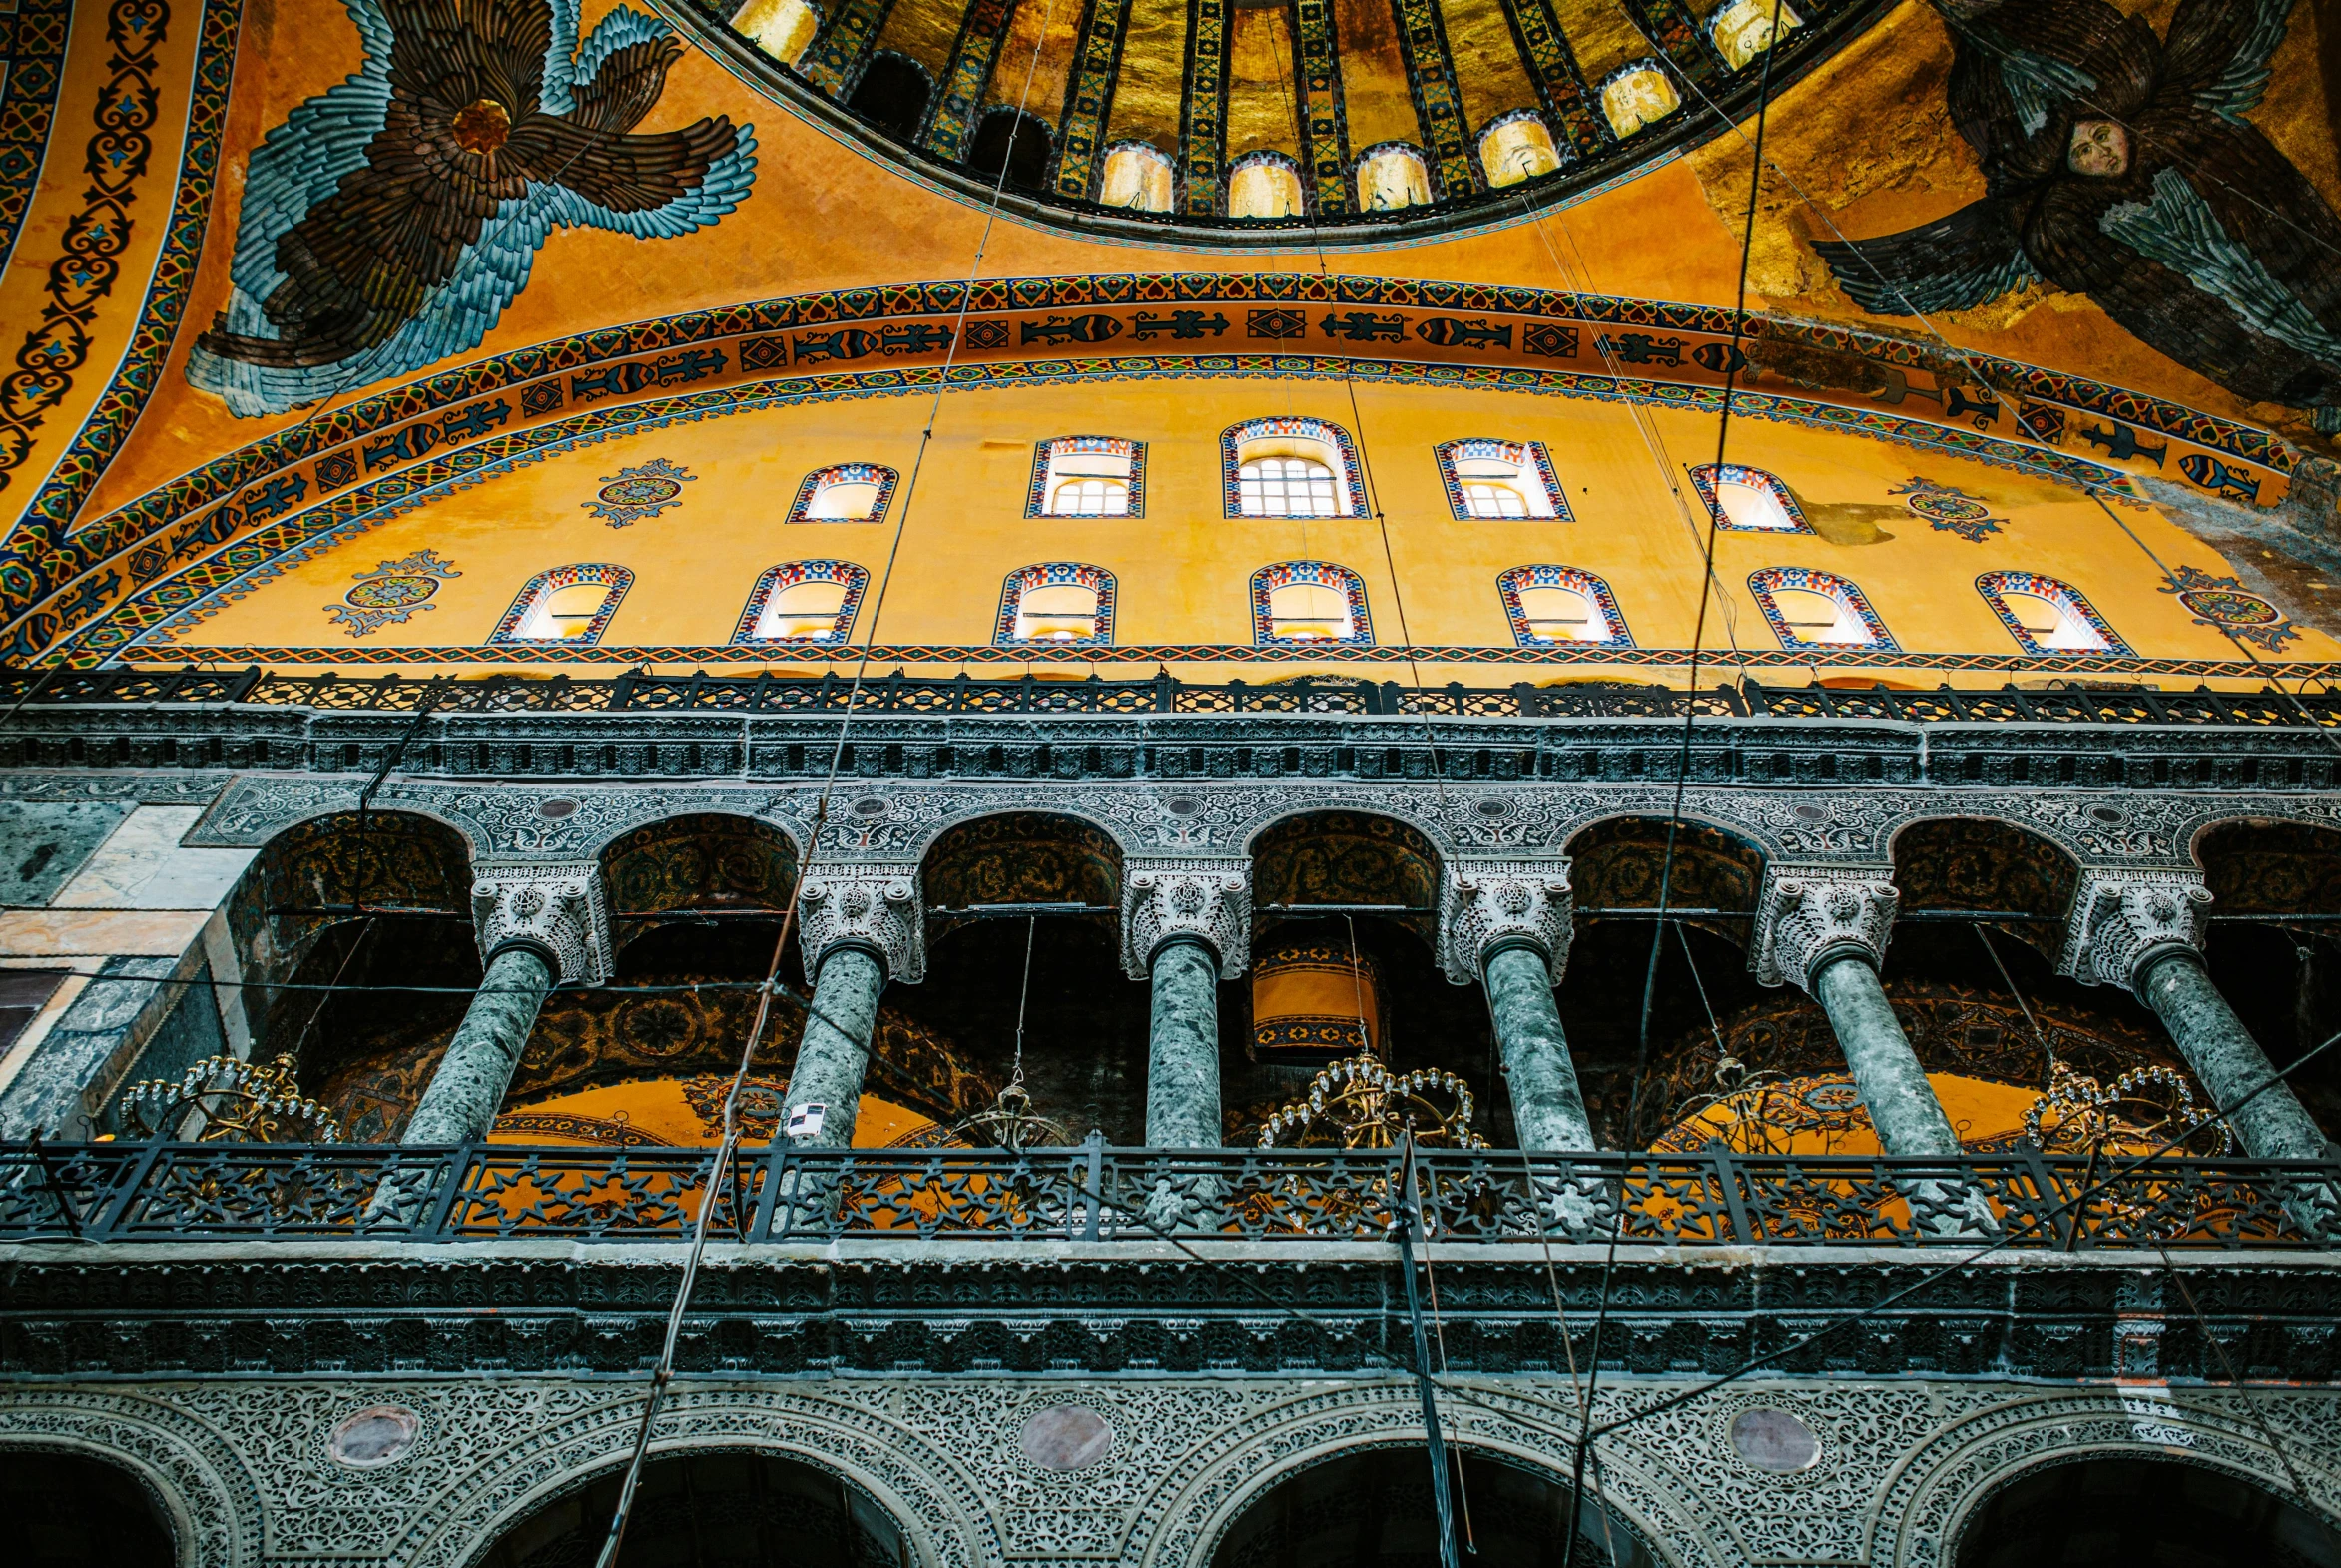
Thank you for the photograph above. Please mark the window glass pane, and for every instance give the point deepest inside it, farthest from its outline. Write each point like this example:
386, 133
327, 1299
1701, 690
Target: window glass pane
853, 500
1745, 507
1484, 499
565, 611
1309, 610
1091, 498
1561, 615
1816, 617
1285, 487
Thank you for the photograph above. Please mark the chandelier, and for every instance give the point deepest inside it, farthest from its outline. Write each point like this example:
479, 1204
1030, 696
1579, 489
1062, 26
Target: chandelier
2136, 1113
1356, 1103
241, 1102
1010, 1122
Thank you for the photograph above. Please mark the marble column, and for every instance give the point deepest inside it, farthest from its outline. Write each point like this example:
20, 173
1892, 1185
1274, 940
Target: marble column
1507, 923
1824, 931
536, 923
2143, 930
1186, 925
860, 925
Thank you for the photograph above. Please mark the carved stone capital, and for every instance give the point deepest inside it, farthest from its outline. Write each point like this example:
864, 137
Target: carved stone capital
873, 905
1206, 899
2123, 919
555, 905
1806, 912
1483, 902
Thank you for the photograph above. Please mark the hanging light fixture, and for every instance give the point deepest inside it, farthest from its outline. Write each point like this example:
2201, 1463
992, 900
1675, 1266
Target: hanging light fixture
241, 1102
1356, 1103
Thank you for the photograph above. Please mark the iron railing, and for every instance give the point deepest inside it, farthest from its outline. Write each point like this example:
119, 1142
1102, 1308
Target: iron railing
181, 1191
639, 691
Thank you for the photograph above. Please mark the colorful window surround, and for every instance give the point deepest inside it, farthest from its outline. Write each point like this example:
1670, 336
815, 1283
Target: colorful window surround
835, 477
1324, 574
1349, 480
2081, 631
1706, 478
778, 580
540, 588
1857, 625
1055, 574
1531, 465
1050, 470
1511, 585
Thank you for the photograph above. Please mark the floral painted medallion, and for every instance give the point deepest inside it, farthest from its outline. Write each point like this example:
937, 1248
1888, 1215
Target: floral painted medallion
2225, 603
391, 592
1949, 509
632, 494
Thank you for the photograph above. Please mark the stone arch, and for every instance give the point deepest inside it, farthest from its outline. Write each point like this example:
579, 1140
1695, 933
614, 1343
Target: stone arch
1616, 861
2269, 865
1988, 863
1021, 856
2153, 1476
705, 862
920, 841
208, 1501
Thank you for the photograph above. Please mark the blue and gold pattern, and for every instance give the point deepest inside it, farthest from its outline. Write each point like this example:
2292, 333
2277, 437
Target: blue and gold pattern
1849, 599
1508, 588
2223, 603
779, 579
1049, 574
1949, 509
1324, 574
617, 579
1996, 586
632, 494
391, 593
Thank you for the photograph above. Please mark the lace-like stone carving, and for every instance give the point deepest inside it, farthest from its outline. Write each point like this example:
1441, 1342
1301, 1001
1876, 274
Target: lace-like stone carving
877, 907
1482, 902
2122, 919
1806, 912
1206, 899
557, 906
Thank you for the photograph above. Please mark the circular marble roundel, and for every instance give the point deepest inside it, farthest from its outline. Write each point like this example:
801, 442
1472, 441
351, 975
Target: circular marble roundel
1065, 1437
378, 1436
1774, 1440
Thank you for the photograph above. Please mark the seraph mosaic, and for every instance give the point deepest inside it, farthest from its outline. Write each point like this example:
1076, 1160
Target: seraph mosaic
2120, 166
392, 219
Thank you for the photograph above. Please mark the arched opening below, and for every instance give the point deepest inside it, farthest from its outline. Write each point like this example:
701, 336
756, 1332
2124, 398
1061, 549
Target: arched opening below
713, 1510
2137, 1510
892, 95
69, 1511
1017, 139
1374, 1510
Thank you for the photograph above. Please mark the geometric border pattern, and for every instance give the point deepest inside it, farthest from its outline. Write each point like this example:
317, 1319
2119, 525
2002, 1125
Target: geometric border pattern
1036, 497
1508, 585
1231, 440
844, 473
1707, 476
1992, 585
1519, 453
618, 578
1047, 574
788, 574
1323, 573
1848, 597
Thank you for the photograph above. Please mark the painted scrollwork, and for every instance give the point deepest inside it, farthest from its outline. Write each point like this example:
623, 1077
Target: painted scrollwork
555, 905
875, 905
1206, 899
1482, 902
1806, 912
2123, 919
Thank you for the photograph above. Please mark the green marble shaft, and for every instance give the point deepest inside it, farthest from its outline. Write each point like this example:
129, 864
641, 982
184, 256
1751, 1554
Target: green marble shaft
2227, 1061
469, 1088
1886, 1071
835, 1053
1182, 1065
1548, 1108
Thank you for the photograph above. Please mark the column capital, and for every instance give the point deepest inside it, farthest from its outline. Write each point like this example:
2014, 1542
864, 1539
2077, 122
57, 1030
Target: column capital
2122, 920
556, 906
872, 904
1484, 903
1805, 913
1205, 897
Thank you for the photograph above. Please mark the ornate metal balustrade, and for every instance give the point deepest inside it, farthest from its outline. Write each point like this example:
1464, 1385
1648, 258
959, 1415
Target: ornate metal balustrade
637, 692
163, 1192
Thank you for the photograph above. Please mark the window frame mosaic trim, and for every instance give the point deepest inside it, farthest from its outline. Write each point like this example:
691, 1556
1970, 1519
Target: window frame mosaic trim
1765, 580
1449, 452
1014, 586
1706, 478
1512, 580
811, 486
1352, 585
769, 584
617, 580
1993, 585
1234, 436
1036, 496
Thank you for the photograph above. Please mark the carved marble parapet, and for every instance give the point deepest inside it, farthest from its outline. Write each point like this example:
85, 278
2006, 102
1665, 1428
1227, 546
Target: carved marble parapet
555, 905
875, 905
1483, 902
1207, 898
1806, 912
2122, 919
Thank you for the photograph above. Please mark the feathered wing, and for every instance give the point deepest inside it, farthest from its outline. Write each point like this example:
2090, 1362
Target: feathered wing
1970, 257
2217, 52
2177, 229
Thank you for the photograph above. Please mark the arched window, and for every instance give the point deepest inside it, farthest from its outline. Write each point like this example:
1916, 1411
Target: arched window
1289, 468
569, 604
1559, 603
1487, 478
1810, 609
1743, 29
1748, 500
1638, 95
1056, 602
1308, 602
846, 493
892, 95
1391, 175
1264, 184
780, 28
2046, 616
1018, 140
1517, 147
1087, 476
1137, 176
802, 601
